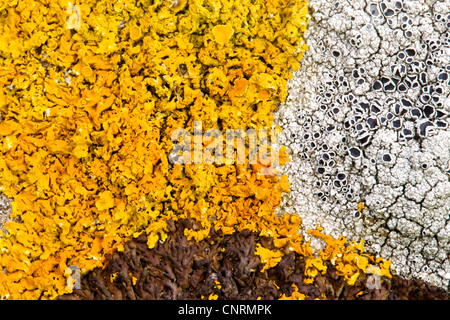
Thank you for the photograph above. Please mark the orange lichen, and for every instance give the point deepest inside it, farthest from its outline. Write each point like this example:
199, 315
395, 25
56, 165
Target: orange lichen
86, 71
89, 103
349, 259
213, 296
135, 33
361, 206
270, 258
240, 87
222, 33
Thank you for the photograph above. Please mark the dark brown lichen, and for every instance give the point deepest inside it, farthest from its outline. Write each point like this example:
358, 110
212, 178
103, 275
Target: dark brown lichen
226, 267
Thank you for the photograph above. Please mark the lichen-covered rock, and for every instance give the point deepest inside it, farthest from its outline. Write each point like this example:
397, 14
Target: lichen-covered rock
366, 121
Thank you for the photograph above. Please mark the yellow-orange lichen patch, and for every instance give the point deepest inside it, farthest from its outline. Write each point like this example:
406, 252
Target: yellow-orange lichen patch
240, 87
87, 127
86, 71
222, 33
349, 259
135, 33
270, 258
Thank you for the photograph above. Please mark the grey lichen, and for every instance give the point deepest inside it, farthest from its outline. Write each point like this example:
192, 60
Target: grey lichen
366, 121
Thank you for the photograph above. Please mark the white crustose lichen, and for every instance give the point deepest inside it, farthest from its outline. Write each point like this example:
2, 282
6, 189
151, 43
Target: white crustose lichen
366, 121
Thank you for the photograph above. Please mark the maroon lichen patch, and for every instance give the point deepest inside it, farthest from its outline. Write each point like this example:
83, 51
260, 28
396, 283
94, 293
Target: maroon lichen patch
226, 267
